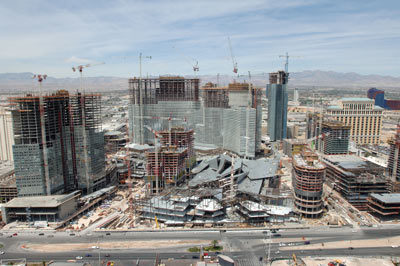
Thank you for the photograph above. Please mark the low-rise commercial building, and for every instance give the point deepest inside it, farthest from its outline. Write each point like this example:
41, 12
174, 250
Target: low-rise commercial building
384, 205
54, 208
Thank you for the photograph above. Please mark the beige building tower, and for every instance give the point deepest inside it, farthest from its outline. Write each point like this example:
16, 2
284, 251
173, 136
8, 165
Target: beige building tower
364, 118
6, 135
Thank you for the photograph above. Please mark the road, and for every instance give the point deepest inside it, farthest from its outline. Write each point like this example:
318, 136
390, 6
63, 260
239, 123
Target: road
245, 246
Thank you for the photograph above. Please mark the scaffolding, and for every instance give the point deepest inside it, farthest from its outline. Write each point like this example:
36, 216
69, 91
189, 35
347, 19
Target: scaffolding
53, 136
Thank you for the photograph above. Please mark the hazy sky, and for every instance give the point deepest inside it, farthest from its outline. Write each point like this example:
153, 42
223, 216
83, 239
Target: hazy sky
345, 36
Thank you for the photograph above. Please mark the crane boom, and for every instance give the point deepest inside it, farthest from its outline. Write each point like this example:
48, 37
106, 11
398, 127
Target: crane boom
234, 63
195, 67
81, 67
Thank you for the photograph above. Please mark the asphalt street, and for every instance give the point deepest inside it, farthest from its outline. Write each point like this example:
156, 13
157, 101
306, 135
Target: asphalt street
247, 246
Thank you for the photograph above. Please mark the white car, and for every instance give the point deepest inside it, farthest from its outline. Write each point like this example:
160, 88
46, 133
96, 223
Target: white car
1, 252
95, 247
79, 257
394, 246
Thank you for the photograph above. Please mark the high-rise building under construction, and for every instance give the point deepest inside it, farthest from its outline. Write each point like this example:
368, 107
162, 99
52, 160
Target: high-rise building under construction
277, 105
328, 136
394, 157
308, 179
231, 120
59, 143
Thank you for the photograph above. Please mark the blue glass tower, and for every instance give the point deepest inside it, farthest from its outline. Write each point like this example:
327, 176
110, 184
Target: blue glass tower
277, 105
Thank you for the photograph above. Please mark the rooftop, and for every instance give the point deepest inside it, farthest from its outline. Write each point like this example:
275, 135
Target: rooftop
355, 166
387, 197
301, 161
138, 147
357, 99
211, 205
347, 162
6, 168
249, 174
40, 201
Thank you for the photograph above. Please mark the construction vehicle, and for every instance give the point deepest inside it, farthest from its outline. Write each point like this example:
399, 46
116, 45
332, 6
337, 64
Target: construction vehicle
294, 259
336, 262
157, 224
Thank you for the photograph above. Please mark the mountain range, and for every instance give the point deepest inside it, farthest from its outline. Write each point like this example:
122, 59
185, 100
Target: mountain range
19, 82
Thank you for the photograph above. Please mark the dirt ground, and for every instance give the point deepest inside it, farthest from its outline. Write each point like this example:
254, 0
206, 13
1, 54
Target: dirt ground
349, 261
114, 245
391, 241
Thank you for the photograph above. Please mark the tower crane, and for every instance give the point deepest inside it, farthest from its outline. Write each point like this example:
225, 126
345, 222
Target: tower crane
234, 63
81, 67
287, 63
195, 67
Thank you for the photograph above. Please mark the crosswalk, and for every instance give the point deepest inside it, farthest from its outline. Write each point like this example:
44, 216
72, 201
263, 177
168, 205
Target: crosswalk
249, 259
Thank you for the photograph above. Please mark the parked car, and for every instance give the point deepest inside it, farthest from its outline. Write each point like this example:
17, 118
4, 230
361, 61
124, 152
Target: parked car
41, 234
79, 257
15, 234
88, 255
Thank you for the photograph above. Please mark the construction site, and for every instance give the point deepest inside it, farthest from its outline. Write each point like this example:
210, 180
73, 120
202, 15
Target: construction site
226, 122
223, 191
